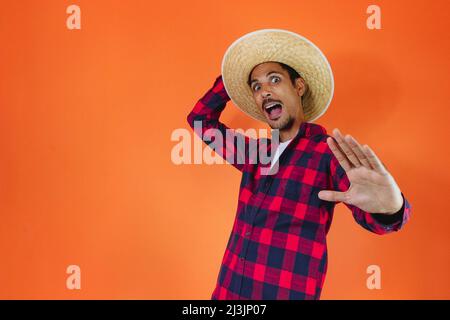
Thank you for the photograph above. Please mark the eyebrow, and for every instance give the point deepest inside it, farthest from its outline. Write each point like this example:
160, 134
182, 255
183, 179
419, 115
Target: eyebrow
268, 74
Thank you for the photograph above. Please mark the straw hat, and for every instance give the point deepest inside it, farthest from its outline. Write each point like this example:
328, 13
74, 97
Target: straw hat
278, 46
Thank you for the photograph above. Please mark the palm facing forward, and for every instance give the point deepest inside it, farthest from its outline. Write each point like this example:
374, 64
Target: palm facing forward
372, 188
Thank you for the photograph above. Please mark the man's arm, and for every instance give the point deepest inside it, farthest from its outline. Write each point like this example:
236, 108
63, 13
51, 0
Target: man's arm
360, 180
379, 223
233, 146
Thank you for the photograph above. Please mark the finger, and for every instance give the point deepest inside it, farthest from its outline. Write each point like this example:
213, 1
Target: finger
340, 156
374, 161
346, 148
333, 196
357, 149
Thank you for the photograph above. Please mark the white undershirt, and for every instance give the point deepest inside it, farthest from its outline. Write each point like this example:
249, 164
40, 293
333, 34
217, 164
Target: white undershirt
279, 151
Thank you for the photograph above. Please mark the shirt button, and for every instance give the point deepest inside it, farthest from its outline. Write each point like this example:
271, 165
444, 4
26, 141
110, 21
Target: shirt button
247, 233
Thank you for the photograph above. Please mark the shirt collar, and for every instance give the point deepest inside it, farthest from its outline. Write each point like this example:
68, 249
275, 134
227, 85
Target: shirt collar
308, 129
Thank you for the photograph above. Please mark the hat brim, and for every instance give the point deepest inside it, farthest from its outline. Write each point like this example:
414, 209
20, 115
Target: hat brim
284, 46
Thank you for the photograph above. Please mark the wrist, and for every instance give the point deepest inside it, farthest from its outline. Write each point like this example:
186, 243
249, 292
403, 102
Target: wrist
398, 207
219, 88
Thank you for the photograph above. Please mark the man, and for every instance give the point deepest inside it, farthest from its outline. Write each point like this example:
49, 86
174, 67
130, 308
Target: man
277, 248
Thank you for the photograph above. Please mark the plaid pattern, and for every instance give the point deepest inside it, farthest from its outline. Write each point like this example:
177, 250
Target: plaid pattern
277, 248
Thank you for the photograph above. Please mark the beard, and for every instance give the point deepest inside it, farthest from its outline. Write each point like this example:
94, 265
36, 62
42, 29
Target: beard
283, 124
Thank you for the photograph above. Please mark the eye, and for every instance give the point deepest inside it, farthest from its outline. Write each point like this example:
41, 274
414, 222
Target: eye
275, 79
256, 87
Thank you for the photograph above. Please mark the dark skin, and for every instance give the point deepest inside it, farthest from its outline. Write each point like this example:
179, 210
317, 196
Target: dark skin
271, 83
372, 187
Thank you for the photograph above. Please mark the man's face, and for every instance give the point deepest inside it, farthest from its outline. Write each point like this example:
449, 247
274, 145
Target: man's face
275, 94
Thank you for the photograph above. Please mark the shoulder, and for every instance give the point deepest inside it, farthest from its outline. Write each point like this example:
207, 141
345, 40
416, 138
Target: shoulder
317, 139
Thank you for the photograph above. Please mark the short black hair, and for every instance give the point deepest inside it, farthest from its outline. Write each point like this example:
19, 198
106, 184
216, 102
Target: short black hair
293, 75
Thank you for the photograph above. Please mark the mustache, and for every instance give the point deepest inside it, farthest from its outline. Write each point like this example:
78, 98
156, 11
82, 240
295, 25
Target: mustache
268, 100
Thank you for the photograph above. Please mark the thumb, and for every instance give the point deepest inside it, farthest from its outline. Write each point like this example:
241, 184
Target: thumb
332, 196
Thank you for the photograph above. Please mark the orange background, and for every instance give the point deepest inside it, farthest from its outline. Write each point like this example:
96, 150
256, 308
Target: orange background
86, 117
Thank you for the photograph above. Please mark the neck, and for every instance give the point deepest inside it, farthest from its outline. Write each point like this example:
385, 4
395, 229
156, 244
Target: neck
291, 132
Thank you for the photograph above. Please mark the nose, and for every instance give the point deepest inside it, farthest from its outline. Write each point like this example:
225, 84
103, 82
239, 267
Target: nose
265, 92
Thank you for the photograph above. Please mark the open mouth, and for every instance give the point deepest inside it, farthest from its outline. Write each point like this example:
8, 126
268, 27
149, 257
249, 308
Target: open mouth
273, 110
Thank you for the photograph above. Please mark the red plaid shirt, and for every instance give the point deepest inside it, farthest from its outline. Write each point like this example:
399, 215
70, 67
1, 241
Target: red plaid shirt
277, 248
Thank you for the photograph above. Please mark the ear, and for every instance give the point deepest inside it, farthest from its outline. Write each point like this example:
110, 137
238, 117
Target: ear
300, 86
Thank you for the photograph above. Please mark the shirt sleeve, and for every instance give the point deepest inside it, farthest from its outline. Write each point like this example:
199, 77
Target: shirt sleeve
374, 222
231, 145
